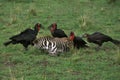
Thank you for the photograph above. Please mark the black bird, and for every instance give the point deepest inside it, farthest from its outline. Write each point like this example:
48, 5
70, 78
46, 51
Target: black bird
56, 32
26, 37
99, 38
78, 41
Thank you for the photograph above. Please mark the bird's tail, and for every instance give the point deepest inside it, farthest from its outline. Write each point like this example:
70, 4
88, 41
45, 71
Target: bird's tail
7, 43
116, 42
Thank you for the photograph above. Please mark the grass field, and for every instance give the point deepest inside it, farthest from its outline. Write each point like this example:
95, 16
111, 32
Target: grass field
80, 16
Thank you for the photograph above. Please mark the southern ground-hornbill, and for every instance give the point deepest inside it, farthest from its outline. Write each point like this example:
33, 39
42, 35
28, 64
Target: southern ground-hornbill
56, 32
26, 37
99, 38
78, 42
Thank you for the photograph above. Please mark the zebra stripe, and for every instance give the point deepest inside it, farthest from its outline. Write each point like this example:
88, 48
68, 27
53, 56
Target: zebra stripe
53, 45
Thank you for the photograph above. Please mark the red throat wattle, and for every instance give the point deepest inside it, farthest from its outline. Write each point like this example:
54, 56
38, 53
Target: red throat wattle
53, 28
72, 36
38, 27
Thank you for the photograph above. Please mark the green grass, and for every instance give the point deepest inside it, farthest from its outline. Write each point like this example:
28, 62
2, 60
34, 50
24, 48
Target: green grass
80, 16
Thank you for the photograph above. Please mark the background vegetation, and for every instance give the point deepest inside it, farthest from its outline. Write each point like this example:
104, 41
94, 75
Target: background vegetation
80, 16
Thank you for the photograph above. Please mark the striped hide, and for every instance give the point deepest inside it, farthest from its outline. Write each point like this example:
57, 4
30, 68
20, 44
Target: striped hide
53, 46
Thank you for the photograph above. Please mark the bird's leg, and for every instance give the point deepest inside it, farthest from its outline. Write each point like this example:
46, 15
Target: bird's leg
98, 48
25, 50
25, 46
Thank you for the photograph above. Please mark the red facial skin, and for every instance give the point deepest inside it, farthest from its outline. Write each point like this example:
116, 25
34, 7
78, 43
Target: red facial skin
38, 27
53, 27
72, 36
